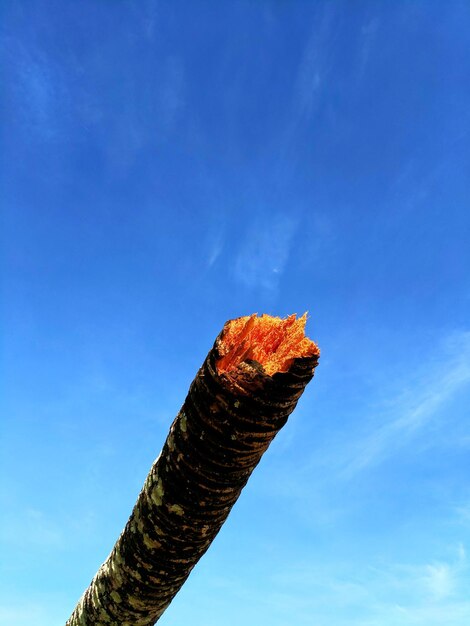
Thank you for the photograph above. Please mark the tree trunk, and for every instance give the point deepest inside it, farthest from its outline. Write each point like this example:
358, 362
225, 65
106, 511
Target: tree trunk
227, 421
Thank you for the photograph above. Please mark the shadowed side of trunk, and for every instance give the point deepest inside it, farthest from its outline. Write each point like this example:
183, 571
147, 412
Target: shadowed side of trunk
227, 421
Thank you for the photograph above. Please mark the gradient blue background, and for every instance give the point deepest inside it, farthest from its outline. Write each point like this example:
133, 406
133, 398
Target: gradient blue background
167, 166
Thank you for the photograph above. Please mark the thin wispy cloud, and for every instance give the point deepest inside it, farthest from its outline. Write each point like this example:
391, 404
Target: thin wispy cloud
215, 237
265, 251
314, 66
365, 592
215, 249
436, 581
400, 420
171, 92
368, 36
439, 580
463, 513
309, 80
148, 12
411, 412
308, 89
38, 91
393, 593
125, 135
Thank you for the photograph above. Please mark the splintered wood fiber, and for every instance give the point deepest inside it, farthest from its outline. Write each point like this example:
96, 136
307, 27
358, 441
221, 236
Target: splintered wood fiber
243, 394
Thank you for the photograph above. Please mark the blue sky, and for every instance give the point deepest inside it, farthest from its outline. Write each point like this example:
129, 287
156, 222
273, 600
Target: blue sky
167, 166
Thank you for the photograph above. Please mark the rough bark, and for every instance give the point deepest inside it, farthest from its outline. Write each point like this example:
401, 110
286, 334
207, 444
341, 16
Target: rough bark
225, 425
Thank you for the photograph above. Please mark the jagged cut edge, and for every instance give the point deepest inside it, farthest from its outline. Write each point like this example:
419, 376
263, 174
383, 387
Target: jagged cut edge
273, 342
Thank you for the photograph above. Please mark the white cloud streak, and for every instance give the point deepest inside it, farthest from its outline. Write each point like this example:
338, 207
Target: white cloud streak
215, 240
402, 594
38, 89
314, 66
265, 251
337, 593
411, 413
368, 36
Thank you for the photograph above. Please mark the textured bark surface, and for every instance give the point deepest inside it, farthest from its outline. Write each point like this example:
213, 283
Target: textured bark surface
225, 425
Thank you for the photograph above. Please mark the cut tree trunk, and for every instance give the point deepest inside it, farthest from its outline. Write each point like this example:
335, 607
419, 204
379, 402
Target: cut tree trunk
243, 394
